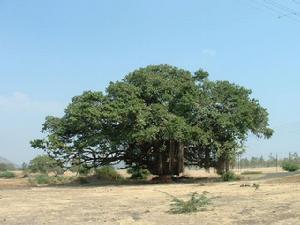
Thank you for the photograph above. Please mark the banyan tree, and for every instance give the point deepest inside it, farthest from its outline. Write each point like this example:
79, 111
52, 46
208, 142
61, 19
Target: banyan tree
159, 117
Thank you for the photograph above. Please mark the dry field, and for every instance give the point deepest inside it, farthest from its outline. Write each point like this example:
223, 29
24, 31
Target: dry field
277, 201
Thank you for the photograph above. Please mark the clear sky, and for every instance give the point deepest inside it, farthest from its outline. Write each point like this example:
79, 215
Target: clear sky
52, 50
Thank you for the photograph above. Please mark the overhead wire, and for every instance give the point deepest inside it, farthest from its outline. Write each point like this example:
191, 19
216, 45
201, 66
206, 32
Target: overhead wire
277, 9
288, 11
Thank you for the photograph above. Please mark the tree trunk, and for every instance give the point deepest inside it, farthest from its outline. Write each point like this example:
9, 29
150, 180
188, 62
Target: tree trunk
221, 165
169, 162
171, 156
160, 164
207, 159
227, 165
180, 158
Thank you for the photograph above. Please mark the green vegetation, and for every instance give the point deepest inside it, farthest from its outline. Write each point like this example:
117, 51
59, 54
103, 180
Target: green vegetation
251, 172
42, 179
159, 117
290, 166
197, 202
108, 173
230, 176
80, 169
7, 174
138, 173
44, 164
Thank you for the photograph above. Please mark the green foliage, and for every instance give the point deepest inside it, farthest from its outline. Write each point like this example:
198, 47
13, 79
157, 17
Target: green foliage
138, 173
290, 166
7, 174
108, 173
200, 75
152, 113
197, 202
42, 179
230, 176
44, 164
80, 169
251, 172
83, 171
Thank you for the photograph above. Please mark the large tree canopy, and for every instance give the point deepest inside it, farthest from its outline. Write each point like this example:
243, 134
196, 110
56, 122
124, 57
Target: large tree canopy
159, 117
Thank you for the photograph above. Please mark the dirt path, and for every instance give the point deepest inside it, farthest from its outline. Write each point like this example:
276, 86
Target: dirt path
273, 203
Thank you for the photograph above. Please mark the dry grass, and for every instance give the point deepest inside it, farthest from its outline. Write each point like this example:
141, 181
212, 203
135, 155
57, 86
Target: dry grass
275, 202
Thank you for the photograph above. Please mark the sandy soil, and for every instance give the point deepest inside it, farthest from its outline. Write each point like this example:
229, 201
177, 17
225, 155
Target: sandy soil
275, 202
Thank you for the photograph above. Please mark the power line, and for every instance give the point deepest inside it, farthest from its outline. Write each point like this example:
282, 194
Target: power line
279, 10
284, 8
263, 6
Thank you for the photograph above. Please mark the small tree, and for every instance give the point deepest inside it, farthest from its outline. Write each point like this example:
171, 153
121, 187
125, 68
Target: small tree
45, 164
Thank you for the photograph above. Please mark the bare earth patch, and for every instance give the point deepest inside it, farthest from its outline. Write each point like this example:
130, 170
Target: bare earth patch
274, 202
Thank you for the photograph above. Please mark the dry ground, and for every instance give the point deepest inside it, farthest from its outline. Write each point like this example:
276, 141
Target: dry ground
277, 201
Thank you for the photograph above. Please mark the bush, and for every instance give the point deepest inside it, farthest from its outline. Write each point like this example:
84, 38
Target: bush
80, 169
290, 166
7, 174
45, 179
107, 173
42, 179
44, 164
197, 203
138, 173
251, 172
230, 176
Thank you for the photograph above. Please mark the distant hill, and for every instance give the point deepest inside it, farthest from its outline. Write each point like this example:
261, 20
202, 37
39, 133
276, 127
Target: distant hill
6, 162
3, 160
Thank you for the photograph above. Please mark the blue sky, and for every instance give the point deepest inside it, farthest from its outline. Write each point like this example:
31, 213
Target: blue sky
53, 50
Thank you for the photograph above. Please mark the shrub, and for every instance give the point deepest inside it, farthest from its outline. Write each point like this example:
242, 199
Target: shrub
107, 173
53, 180
251, 172
196, 203
42, 179
230, 176
81, 170
138, 173
7, 174
44, 164
290, 166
